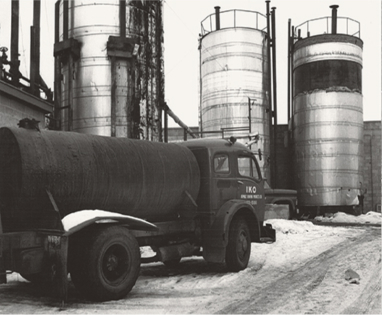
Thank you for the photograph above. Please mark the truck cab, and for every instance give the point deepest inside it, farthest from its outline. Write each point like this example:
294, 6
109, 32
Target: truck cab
231, 190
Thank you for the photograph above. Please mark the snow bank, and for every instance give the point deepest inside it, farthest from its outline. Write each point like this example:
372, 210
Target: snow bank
340, 217
292, 227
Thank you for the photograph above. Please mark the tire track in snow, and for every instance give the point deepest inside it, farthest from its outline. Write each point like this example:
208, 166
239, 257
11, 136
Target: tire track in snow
294, 292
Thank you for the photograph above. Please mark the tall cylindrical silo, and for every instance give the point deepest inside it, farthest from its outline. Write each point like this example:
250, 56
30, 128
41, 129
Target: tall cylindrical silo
328, 118
234, 78
112, 79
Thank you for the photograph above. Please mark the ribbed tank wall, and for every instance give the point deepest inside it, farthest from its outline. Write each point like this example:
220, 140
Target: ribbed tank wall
234, 68
138, 81
328, 119
145, 179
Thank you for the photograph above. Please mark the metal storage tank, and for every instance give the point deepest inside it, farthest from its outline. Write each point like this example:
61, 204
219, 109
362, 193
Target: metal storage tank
109, 67
234, 78
328, 116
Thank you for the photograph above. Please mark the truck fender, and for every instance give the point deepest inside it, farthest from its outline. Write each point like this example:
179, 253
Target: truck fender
132, 223
216, 236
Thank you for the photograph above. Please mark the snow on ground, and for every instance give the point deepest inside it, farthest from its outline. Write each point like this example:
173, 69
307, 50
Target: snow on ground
370, 217
198, 287
296, 242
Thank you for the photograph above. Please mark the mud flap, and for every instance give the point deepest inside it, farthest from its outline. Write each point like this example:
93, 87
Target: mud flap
58, 257
268, 234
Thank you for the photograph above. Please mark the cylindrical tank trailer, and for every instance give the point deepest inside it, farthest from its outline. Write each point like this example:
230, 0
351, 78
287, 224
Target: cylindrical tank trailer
144, 179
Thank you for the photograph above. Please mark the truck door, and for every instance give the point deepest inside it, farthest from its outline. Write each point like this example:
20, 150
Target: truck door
250, 185
223, 186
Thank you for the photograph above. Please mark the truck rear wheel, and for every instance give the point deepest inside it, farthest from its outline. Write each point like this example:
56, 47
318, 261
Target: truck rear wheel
238, 248
108, 266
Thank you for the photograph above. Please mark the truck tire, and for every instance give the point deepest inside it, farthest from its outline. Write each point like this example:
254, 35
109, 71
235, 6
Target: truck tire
107, 267
238, 248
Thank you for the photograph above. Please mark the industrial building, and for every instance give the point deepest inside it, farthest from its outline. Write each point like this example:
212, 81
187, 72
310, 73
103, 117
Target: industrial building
109, 81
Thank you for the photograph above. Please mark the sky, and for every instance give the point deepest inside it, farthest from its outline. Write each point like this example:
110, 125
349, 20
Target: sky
182, 20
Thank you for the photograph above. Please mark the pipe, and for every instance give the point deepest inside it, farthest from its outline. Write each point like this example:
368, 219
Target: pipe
217, 17
334, 18
289, 56
122, 18
249, 115
165, 126
274, 76
66, 19
35, 49
178, 121
14, 69
269, 78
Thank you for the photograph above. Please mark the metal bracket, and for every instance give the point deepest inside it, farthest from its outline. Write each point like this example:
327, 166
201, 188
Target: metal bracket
53, 202
122, 47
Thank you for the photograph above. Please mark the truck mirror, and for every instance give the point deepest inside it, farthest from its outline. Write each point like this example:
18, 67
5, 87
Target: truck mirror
260, 154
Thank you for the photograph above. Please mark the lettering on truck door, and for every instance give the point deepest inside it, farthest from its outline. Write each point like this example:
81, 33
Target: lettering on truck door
250, 184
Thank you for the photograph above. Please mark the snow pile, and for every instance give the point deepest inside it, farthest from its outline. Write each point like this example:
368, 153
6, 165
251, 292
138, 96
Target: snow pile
291, 227
340, 217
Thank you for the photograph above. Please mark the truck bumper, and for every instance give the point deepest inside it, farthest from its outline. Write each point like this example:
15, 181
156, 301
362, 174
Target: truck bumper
268, 234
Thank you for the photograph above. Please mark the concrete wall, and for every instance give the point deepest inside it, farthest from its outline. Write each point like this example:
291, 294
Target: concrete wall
16, 104
372, 165
176, 134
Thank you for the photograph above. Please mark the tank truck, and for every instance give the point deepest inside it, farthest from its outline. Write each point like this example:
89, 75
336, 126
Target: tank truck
203, 197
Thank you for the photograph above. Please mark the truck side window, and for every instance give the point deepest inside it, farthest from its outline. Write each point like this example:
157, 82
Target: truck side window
221, 164
247, 167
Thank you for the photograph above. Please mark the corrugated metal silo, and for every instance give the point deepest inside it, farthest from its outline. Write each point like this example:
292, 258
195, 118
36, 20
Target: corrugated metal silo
234, 78
328, 116
110, 60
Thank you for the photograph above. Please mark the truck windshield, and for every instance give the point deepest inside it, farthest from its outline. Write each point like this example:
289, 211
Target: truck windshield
247, 167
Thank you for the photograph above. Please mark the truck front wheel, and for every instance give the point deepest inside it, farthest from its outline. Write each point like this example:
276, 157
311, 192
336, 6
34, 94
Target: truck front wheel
238, 248
108, 265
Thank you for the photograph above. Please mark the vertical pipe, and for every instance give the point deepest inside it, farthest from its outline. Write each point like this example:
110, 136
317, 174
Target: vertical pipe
113, 96
249, 115
57, 70
35, 49
274, 94
334, 18
371, 172
122, 18
217, 17
14, 69
289, 54
291, 78
66, 19
165, 125
269, 81
200, 88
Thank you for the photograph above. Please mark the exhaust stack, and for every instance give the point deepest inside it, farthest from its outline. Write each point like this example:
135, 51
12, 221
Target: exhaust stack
334, 18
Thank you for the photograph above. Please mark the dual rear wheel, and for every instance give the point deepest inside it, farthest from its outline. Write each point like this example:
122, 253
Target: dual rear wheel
106, 265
